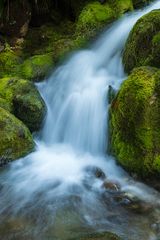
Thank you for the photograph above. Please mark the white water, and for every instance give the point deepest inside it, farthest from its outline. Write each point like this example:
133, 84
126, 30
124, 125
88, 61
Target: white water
75, 131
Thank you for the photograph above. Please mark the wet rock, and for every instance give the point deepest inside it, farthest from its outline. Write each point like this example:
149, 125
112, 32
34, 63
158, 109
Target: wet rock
133, 203
91, 175
113, 186
96, 172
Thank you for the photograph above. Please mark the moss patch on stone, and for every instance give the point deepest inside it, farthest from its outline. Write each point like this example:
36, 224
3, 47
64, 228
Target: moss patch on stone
9, 62
95, 16
142, 47
23, 100
135, 121
5, 104
36, 67
16, 140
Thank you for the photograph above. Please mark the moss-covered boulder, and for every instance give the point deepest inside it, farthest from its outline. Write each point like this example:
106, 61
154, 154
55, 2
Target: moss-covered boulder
9, 62
94, 15
36, 67
99, 236
16, 139
23, 100
135, 121
143, 45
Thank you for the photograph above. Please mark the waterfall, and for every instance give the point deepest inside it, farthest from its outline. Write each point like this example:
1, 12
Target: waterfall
73, 139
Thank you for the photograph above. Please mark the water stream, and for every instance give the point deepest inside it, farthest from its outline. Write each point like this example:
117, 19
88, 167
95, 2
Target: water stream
54, 193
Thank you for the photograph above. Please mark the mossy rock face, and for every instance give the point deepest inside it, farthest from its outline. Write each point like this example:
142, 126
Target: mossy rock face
16, 139
143, 45
100, 236
9, 62
135, 121
23, 100
94, 15
36, 67
5, 105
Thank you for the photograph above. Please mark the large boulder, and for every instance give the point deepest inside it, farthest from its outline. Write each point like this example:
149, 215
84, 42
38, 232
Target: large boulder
143, 45
23, 100
16, 139
95, 15
135, 121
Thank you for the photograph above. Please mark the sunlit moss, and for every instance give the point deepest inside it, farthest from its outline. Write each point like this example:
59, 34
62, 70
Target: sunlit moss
8, 62
36, 67
145, 31
134, 122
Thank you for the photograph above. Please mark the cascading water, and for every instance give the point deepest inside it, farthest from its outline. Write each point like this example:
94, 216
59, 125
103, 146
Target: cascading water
53, 192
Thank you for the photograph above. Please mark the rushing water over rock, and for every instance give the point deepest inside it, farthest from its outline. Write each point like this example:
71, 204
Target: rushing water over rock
59, 190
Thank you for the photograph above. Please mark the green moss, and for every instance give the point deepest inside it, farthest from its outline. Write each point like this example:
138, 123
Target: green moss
93, 17
36, 67
122, 6
8, 62
145, 31
156, 164
5, 104
23, 100
134, 123
16, 140
41, 50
